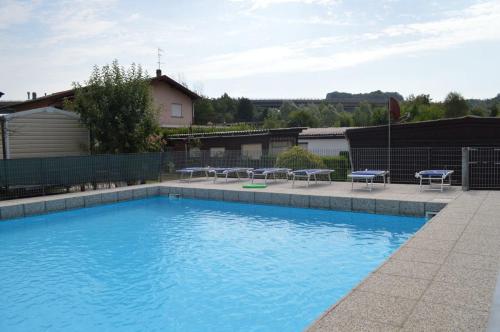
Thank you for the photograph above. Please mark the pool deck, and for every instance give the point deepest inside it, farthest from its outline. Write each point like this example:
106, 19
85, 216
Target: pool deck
443, 278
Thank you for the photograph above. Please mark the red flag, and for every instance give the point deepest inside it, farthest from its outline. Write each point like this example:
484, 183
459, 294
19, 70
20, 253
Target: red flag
394, 109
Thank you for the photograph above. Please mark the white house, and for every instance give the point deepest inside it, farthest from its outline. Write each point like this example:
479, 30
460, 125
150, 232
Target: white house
324, 141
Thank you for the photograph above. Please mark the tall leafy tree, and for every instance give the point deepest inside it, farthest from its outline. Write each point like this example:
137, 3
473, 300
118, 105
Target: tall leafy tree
344, 120
494, 110
455, 105
204, 111
362, 115
115, 104
273, 120
302, 118
225, 108
245, 110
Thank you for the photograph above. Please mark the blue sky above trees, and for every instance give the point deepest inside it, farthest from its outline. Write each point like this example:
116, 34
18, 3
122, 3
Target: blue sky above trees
258, 48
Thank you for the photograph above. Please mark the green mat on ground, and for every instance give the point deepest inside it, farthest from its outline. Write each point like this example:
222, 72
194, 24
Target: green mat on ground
255, 186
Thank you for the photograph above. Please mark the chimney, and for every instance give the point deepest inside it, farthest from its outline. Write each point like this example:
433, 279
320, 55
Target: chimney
33, 95
29, 95
158, 72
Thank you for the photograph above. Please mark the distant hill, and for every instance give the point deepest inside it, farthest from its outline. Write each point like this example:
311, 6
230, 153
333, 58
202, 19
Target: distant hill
484, 103
375, 97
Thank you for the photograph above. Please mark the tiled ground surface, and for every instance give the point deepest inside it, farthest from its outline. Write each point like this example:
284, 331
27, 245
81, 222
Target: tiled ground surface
442, 279
339, 189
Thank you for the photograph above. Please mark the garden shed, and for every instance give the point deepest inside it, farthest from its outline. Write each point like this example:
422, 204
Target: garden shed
42, 132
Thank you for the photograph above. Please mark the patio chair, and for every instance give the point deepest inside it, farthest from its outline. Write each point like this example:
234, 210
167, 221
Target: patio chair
310, 173
435, 176
189, 171
367, 175
266, 173
226, 171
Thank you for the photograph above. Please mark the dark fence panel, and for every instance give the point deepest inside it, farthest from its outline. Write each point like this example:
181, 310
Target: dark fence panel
484, 168
405, 162
38, 176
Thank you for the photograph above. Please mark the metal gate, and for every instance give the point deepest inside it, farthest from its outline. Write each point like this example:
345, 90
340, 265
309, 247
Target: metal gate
483, 167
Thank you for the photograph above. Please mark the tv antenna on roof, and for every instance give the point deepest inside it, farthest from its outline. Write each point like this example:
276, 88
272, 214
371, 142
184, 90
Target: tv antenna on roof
160, 51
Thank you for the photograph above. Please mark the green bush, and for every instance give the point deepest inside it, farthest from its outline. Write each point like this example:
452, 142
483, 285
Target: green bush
340, 164
298, 158
344, 154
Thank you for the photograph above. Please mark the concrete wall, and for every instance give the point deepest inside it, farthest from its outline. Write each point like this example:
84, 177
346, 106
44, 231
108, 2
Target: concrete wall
163, 97
48, 133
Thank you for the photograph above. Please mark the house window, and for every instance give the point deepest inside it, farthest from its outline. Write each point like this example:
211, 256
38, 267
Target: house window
176, 110
251, 151
217, 152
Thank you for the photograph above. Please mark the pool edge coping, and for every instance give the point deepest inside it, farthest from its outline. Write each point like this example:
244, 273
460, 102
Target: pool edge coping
46, 204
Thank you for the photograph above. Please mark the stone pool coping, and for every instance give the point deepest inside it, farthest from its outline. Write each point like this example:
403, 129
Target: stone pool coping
443, 278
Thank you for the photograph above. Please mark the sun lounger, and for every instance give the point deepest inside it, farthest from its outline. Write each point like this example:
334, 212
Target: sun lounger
187, 173
266, 173
310, 173
225, 172
367, 175
435, 176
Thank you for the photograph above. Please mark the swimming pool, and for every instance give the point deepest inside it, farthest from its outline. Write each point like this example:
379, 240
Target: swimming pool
163, 264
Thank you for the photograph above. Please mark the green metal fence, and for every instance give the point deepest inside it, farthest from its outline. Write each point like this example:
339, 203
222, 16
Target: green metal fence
38, 176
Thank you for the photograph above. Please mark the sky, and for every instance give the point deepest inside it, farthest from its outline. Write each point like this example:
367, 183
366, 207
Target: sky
257, 48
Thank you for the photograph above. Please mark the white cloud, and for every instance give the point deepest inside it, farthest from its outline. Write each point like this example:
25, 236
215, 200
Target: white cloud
15, 12
262, 4
480, 22
77, 20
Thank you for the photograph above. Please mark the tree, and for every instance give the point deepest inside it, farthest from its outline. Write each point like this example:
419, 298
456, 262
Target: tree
301, 118
362, 115
225, 108
418, 100
455, 105
432, 112
494, 110
339, 108
379, 116
116, 106
478, 111
273, 120
203, 111
245, 110
287, 108
344, 120
327, 115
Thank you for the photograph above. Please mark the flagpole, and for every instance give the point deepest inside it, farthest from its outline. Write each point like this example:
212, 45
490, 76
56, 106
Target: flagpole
389, 140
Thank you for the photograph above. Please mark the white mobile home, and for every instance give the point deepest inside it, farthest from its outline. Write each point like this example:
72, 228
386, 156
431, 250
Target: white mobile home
42, 132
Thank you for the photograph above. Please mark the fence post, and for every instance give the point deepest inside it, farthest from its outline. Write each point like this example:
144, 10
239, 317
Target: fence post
465, 169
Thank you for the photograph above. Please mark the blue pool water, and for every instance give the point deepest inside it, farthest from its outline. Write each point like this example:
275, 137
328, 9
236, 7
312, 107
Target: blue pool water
186, 265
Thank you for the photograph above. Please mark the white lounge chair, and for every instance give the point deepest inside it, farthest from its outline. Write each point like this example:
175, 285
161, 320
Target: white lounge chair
189, 171
310, 173
367, 175
226, 171
435, 176
266, 173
